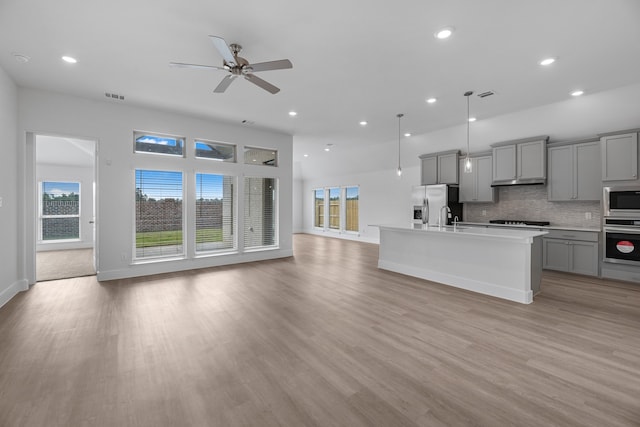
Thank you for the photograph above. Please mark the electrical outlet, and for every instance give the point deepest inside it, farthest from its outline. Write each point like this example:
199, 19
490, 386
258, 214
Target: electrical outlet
123, 257
484, 212
587, 215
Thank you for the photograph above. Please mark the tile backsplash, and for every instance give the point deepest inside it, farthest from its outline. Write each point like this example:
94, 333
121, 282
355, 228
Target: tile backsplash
529, 202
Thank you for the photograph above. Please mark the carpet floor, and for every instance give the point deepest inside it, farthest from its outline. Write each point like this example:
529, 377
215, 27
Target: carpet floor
53, 265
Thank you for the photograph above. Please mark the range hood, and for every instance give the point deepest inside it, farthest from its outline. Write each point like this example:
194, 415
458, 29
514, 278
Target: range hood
522, 181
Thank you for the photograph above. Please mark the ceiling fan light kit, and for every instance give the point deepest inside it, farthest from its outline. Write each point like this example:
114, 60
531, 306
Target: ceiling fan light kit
239, 66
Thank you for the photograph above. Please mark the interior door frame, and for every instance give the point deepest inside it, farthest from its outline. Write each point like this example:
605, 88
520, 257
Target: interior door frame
31, 201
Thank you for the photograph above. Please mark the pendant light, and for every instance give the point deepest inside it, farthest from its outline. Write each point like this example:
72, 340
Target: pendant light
399, 170
468, 168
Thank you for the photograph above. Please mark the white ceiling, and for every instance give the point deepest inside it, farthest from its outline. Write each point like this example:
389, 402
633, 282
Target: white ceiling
352, 60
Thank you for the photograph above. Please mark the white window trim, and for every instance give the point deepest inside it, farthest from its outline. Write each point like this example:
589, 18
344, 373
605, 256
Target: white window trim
343, 210
41, 216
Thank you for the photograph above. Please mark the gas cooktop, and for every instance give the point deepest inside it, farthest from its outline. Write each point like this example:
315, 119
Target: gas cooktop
519, 222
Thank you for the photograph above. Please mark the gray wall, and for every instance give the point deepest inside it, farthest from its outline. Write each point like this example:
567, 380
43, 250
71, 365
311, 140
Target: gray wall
10, 282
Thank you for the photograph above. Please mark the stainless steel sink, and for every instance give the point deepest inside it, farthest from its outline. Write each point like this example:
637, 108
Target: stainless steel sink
452, 227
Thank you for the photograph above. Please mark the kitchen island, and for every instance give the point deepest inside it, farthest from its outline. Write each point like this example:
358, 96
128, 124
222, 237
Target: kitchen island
503, 263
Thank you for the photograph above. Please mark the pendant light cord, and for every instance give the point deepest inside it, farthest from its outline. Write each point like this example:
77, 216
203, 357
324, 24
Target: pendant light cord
399, 116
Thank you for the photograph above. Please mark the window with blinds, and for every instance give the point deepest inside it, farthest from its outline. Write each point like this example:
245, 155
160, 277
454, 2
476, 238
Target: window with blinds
260, 217
158, 144
59, 211
318, 216
215, 212
159, 213
334, 208
351, 209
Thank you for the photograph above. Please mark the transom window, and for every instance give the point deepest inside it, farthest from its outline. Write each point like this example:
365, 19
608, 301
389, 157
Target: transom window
158, 144
215, 151
260, 156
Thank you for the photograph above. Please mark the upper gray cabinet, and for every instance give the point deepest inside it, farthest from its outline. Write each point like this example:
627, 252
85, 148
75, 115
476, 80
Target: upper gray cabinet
439, 168
619, 156
574, 171
475, 187
520, 162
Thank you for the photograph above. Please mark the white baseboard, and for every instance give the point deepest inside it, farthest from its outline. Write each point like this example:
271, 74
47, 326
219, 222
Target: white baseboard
147, 269
517, 295
13, 290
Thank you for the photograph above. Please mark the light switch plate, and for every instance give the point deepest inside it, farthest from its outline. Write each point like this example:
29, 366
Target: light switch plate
0, 202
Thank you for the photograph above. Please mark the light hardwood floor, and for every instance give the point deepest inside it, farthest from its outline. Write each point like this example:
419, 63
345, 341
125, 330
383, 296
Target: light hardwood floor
324, 338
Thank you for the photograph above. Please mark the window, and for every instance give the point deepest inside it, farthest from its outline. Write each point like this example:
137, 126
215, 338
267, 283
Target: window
260, 156
216, 151
334, 208
159, 225
158, 144
60, 211
318, 215
341, 203
260, 217
214, 212
351, 209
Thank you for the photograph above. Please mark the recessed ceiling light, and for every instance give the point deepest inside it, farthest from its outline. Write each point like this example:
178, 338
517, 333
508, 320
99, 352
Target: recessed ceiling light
407, 134
472, 119
363, 123
547, 61
293, 113
69, 59
577, 93
444, 33
328, 147
305, 155
431, 100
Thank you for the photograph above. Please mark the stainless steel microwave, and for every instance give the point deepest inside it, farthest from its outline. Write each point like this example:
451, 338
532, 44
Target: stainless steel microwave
622, 202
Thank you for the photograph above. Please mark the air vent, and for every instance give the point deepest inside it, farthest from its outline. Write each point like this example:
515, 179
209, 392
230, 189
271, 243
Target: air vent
248, 122
485, 94
114, 96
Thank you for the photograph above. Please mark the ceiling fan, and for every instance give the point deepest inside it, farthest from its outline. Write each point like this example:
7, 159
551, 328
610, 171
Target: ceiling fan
238, 66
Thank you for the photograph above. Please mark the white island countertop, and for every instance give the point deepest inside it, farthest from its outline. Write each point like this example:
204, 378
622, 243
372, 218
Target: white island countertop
469, 231
500, 262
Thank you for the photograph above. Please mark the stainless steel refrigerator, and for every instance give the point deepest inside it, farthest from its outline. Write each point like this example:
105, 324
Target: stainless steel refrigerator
428, 202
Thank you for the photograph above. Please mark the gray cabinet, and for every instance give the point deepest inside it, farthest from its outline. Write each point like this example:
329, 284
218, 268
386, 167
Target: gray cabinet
620, 157
428, 170
522, 161
574, 171
439, 168
571, 251
476, 186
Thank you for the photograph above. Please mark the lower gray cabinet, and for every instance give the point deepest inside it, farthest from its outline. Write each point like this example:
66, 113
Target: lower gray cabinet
571, 251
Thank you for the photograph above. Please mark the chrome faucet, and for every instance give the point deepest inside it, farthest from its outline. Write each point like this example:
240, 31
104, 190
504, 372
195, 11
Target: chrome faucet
455, 221
440, 216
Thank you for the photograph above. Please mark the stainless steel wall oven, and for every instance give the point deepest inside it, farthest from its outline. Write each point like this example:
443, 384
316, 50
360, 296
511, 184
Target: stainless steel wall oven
621, 240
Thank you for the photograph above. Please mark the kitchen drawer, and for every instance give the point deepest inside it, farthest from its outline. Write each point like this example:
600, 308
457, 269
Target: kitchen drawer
587, 236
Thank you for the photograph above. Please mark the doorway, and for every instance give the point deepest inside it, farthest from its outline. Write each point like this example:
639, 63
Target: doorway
65, 207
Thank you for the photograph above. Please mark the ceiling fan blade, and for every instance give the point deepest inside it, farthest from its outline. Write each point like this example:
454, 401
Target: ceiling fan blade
224, 84
271, 65
183, 65
224, 50
261, 83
